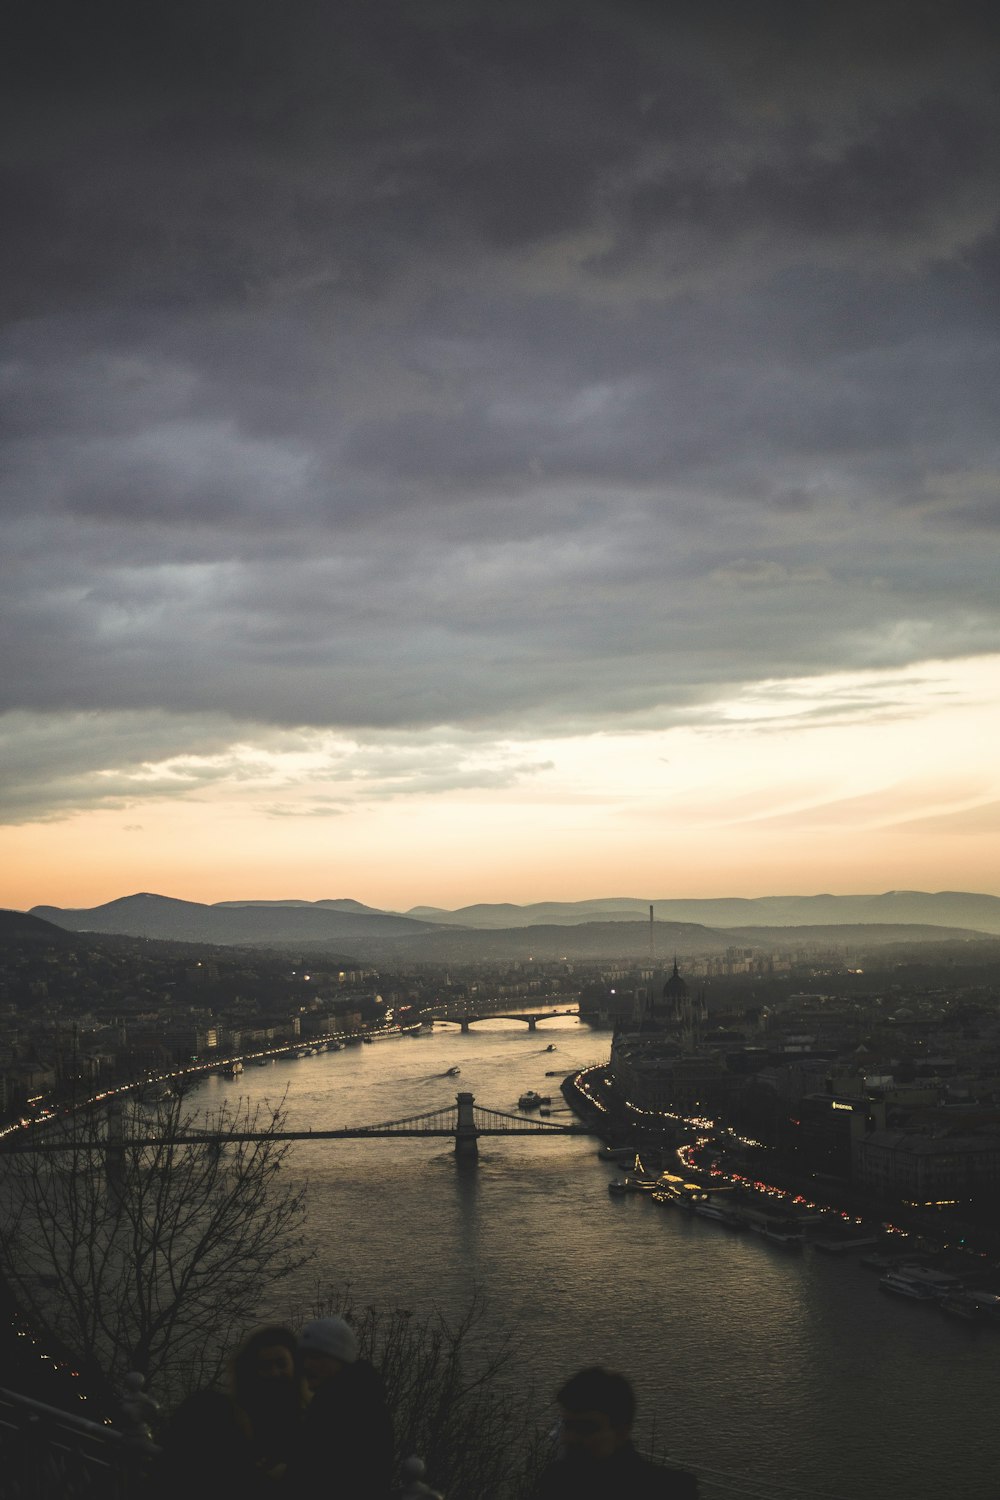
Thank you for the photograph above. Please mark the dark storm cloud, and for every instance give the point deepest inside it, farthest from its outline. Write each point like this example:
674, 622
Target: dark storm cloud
190, 153
516, 366
886, 182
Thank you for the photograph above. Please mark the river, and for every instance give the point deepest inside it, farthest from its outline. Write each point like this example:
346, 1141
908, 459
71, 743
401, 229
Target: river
793, 1372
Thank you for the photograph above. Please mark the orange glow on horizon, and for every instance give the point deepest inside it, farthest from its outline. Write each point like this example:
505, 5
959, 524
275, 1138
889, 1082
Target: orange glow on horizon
774, 793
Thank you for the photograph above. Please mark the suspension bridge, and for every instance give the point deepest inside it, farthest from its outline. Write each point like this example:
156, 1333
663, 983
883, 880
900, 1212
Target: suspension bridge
465, 1121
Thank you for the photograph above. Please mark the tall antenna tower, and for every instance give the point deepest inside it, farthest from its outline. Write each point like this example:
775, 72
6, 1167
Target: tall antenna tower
651, 932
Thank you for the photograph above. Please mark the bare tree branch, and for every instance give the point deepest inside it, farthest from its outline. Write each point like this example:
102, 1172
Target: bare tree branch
149, 1256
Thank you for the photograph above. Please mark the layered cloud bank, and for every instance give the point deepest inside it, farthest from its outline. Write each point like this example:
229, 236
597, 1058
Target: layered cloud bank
394, 392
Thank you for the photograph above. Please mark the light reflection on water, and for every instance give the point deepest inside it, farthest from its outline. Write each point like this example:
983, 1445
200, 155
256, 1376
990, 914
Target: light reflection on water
792, 1369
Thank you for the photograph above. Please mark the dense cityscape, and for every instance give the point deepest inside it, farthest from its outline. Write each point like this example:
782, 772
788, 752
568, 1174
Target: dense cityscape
880, 1071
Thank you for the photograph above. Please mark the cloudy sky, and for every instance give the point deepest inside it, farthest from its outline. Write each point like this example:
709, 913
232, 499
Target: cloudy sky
466, 451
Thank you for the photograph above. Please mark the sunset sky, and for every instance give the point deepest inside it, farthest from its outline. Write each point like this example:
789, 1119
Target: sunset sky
509, 451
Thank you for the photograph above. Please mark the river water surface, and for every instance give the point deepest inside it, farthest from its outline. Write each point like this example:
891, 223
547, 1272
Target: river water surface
793, 1372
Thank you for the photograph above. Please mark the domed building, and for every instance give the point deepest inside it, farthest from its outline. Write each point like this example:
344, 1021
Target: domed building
675, 1007
660, 1065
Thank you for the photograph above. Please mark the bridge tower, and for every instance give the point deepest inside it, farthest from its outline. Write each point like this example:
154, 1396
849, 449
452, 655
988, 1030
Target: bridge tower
466, 1134
114, 1162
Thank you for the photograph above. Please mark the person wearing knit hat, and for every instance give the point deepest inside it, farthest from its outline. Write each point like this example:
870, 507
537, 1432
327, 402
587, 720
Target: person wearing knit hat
323, 1344
347, 1444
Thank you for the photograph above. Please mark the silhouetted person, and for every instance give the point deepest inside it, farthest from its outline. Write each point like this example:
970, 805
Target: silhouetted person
239, 1439
346, 1449
206, 1452
596, 1459
269, 1396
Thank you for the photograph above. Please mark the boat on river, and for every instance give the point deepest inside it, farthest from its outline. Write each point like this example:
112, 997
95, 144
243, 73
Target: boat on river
630, 1184
836, 1241
788, 1239
939, 1283
778, 1229
962, 1305
674, 1192
728, 1217
901, 1285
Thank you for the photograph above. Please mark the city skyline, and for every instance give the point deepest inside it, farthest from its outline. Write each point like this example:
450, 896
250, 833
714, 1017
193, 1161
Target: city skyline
499, 452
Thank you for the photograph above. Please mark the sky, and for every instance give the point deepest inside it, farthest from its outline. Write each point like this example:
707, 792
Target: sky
498, 451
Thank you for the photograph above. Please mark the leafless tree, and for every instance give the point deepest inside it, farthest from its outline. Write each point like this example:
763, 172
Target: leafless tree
145, 1239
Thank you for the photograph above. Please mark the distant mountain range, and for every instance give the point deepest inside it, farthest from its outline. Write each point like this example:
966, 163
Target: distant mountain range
943, 908
239, 923
611, 926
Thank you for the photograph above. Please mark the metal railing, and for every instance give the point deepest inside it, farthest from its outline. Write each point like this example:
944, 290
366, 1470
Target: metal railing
48, 1454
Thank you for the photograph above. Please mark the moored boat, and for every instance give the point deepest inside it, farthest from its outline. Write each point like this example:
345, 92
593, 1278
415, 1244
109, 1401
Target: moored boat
841, 1244
788, 1239
677, 1193
940, 1283
630, 1184
779, 1229
901, 1285
961, 1305
725, 1216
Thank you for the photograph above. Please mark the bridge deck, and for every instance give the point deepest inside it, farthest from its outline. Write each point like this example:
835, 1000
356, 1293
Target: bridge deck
440, 1122
359, 1133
